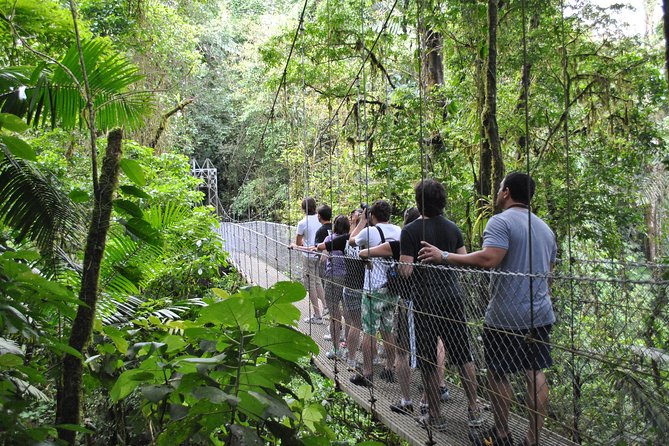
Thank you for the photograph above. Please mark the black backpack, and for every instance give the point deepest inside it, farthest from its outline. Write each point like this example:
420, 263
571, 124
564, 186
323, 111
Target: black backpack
394, 281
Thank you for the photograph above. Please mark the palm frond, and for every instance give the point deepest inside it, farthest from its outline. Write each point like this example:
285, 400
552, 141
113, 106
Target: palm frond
114, 312
32, 204
54, 92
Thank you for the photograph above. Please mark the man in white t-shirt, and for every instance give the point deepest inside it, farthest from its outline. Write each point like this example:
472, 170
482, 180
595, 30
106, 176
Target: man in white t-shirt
378, 306
304, 241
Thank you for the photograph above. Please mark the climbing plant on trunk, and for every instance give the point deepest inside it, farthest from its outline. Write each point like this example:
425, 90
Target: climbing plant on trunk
69, 392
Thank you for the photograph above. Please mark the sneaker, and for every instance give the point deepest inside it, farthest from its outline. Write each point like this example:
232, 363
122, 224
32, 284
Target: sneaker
352, 364
435, 424
313, 320
444, 394
424, 408
377, 361
490, 438
401, 407
327, 337
359, 380
332, 354
387, 375
475, 418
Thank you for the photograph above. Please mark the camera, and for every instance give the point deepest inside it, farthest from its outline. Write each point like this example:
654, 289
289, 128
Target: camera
366, 209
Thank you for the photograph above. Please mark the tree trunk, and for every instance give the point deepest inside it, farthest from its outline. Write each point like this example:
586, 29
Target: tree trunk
434, 64
489, 117
524, 88
68, 407
483, 185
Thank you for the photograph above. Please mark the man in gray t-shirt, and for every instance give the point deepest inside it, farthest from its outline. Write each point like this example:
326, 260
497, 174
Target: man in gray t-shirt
520, 313
510, 303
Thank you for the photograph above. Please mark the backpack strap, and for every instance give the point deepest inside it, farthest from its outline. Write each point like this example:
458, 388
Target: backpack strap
383, 238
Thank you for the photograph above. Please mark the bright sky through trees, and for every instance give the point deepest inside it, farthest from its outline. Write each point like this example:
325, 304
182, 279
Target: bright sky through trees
634, 19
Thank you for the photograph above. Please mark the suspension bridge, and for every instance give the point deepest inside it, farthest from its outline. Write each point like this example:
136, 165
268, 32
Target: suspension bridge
579, 412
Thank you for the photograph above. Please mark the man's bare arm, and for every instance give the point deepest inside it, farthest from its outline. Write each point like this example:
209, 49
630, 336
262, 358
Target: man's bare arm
405, 268
362, 223
488, 257
382, 250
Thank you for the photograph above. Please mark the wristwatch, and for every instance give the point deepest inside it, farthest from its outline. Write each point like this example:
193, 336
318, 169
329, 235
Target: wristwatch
444, 256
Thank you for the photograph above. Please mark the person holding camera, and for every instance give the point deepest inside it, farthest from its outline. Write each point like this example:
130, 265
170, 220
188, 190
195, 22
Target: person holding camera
378, 306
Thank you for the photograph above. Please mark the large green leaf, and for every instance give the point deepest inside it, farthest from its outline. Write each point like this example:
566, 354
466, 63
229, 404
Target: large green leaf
143, 230
133, 171
127, 382
286, 314
286, 292
12, 122
274, 407
237, 311
128, 207
134, 191
18, 147
285, 342
244, 436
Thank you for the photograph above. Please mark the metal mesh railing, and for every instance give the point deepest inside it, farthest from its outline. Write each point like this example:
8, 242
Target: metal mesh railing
609, 375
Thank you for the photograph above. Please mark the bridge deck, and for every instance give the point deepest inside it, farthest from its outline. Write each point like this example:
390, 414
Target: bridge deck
261, 273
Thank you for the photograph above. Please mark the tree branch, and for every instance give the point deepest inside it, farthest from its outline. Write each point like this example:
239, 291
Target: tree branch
164, 118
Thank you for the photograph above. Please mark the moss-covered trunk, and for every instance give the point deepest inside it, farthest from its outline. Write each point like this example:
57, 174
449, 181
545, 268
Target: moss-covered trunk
68, 408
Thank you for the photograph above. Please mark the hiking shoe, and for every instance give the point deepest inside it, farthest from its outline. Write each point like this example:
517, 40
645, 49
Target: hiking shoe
359, 380
332, 354
387, 375
401, 407
475, 419
313, 320
490, 438
434, 424
444, 394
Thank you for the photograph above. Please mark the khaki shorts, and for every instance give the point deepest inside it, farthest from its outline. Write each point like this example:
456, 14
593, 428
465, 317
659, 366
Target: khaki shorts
310, 276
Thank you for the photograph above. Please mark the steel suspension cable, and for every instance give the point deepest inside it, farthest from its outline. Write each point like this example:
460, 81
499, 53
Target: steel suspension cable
278, 90
572, 323
368, 296
421, 54
525, 81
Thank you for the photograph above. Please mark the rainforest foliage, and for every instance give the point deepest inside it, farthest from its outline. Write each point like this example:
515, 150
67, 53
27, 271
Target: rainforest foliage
121, 320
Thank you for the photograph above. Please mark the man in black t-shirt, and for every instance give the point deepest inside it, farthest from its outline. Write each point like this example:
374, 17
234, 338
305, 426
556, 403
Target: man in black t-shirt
324, 217
438, 301
324, 213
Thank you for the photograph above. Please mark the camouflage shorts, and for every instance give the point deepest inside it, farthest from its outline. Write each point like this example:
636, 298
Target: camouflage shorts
378, 308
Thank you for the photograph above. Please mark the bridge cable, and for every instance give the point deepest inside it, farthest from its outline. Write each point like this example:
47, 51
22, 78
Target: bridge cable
566, 81
525, 83
278, 90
